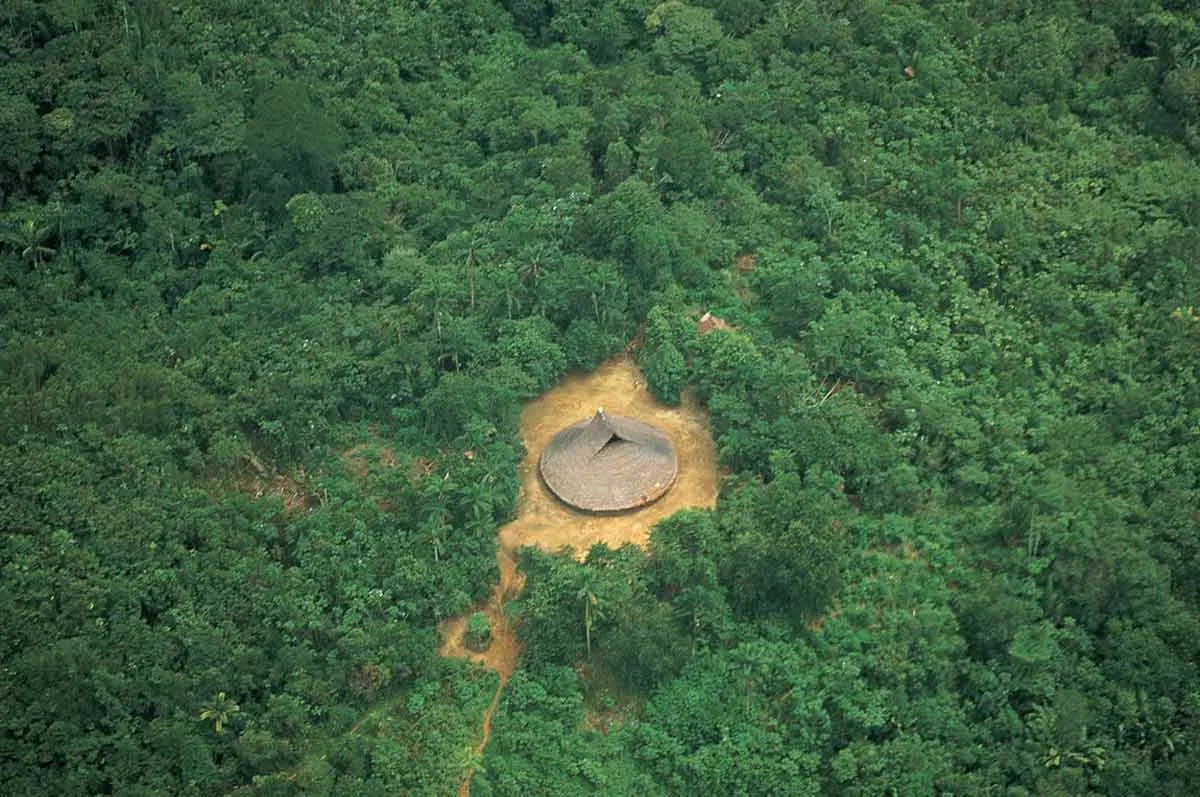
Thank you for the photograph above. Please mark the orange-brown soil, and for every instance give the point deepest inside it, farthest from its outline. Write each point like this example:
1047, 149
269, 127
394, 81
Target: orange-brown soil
709, 322
465, 789
294, 490
545, 522
501, 654
618, 387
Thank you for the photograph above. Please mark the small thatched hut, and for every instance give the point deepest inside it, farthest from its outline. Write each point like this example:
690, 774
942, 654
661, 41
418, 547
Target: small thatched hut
609, 463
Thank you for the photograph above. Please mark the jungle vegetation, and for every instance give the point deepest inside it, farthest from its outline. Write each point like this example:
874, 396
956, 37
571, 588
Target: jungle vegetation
956, 548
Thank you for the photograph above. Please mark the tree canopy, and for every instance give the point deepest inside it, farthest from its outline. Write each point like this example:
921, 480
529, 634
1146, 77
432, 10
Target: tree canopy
275, 279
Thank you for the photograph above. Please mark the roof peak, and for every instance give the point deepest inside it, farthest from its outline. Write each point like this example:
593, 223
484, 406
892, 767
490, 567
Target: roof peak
608, 463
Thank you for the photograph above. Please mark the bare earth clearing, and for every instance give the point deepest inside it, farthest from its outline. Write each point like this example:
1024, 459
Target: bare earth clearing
545, 522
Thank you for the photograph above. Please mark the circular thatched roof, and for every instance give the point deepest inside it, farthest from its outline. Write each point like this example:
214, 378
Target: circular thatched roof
608, 463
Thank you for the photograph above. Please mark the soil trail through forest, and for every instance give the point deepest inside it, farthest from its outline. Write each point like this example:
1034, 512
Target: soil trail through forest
545, 522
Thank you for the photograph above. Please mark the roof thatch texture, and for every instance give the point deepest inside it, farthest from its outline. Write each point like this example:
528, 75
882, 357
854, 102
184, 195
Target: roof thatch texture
609, 463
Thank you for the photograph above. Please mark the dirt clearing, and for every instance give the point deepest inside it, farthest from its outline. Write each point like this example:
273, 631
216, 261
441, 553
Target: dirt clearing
545, 522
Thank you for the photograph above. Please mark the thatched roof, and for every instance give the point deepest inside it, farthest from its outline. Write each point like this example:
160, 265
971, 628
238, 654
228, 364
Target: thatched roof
608, 463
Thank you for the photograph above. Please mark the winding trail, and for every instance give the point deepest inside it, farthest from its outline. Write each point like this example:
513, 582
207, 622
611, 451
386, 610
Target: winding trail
543, 521
465, 789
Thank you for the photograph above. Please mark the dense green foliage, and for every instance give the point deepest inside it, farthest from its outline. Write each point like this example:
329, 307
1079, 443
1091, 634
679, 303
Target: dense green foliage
958, 403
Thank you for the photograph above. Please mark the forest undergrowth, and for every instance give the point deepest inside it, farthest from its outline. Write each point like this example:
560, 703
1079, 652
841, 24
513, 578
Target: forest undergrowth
276, 281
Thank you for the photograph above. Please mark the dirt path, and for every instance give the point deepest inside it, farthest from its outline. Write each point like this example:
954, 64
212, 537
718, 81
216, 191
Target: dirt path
501, 654
465, 789
545, 522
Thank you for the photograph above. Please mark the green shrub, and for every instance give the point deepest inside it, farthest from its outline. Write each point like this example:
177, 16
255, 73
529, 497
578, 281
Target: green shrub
479, 632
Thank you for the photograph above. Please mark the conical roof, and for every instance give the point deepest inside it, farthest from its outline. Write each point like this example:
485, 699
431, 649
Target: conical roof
609, 463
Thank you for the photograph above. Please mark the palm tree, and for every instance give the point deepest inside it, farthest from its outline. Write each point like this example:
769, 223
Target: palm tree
219, 711
434, 528
477, 498
31, 238
587, 593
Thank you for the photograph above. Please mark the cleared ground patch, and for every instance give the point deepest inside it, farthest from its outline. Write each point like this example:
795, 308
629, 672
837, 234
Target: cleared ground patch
545, 522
